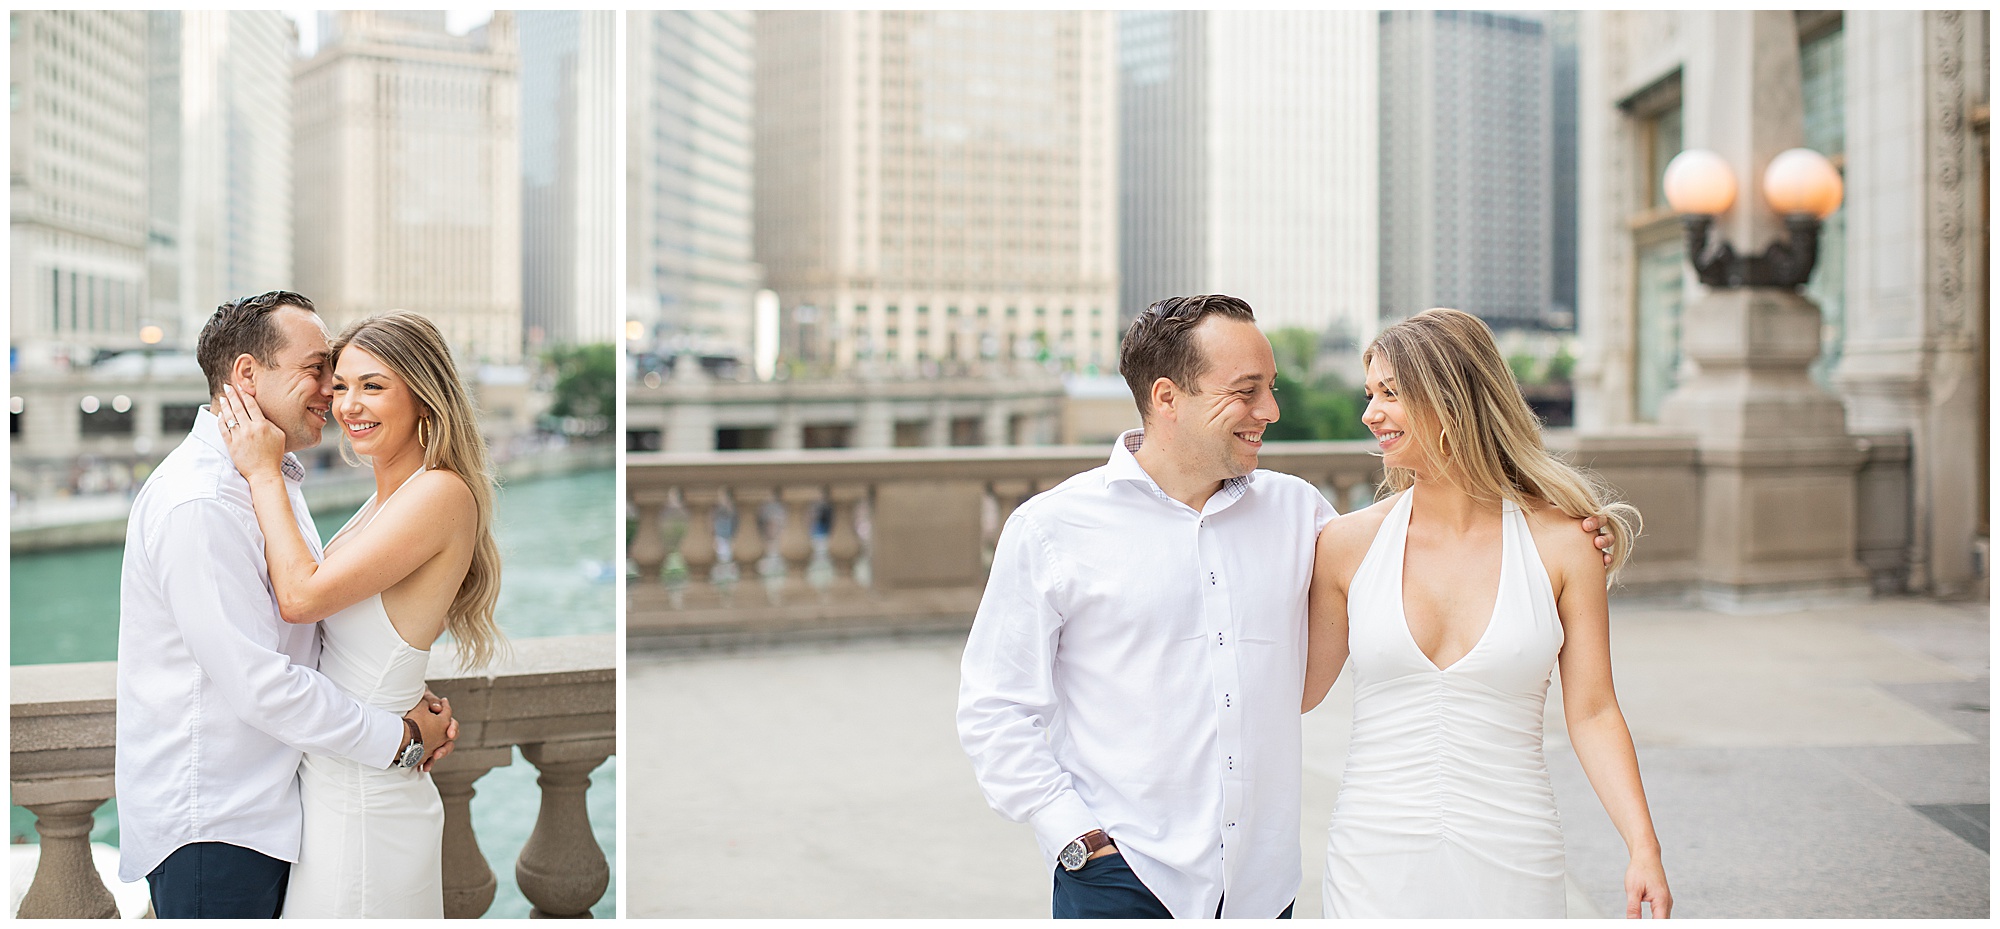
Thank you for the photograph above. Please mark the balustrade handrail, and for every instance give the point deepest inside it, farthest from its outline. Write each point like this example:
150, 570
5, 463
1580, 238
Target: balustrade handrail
554, 697
747, 546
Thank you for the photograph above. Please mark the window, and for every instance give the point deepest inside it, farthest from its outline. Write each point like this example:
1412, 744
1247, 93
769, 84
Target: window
177, 418
1823, 73
1659, 280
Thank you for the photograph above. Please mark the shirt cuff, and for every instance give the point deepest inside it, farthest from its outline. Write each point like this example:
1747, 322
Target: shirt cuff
1061, 822
386, 731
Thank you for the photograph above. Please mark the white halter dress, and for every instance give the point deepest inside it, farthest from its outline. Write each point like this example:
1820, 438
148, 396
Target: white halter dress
1445, 809
373, 840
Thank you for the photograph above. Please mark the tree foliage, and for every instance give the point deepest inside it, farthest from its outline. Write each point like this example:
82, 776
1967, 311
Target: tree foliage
586, 379
1312, 406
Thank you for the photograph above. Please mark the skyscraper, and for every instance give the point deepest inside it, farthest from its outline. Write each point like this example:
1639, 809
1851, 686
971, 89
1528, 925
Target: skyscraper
1563, 189
1248, 163
78, 176
1465, 164
569, 193
690, 278
220, 169
408, 183
939, 188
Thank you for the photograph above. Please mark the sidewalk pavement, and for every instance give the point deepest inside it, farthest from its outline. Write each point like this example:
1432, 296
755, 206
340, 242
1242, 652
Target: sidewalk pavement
1825, 763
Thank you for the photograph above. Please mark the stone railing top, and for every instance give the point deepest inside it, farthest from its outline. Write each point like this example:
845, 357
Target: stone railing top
942, 463
560, 688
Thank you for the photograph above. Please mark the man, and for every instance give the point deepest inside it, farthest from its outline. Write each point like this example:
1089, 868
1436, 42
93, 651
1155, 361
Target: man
1149, 616
217, 695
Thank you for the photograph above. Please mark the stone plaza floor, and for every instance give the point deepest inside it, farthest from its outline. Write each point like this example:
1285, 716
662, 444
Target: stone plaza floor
1828, 763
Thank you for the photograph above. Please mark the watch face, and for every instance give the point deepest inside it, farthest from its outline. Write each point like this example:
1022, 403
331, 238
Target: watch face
413, 754
1073, 855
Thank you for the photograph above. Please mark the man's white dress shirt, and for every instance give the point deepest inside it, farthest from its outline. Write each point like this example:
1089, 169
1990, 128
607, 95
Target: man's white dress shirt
1136, 667
217, 695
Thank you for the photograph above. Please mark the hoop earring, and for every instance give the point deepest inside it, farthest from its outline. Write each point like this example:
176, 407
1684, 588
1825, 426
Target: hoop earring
423, 434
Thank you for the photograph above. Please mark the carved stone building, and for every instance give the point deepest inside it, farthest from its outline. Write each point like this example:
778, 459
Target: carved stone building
1898, 100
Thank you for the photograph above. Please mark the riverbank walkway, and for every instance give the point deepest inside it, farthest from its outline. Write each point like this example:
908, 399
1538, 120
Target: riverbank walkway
1826, 763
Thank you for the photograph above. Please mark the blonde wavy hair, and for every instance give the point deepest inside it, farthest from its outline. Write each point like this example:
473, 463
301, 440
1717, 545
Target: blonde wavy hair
413, 348
1475, 425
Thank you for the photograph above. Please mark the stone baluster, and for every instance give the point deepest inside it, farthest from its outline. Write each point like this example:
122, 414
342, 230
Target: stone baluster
748, 549
562, 870
795, 542
698, 546
66, 885
843, 544
649, 541
469, 883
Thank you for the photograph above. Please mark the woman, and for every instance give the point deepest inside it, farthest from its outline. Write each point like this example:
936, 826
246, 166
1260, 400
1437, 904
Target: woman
417, 561
1454, 598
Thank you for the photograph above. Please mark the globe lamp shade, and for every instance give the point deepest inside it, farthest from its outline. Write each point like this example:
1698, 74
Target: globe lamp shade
1801, 181
1700, 182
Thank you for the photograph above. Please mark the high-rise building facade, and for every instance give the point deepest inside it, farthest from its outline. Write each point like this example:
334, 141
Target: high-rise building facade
1465, 165
1248, 163
78, 215
690, 276
219, 189
569, 193
406, 161
939, 189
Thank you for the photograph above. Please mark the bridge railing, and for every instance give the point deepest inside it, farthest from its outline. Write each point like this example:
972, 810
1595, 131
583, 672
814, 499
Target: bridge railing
738, 547
555, 698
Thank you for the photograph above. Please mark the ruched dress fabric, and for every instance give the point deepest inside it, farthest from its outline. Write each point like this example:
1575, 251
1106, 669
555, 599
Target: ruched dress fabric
1446, 809
373, 840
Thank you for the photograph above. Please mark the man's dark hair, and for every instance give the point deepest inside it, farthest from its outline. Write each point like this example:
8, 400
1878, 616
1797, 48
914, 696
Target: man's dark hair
1160, 343
243, 326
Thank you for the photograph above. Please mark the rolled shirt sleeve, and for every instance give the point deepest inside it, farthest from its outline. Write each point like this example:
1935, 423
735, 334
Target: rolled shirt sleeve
1007, 692
239, 652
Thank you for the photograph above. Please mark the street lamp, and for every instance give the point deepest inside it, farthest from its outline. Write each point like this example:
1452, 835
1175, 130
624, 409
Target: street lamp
1800, 184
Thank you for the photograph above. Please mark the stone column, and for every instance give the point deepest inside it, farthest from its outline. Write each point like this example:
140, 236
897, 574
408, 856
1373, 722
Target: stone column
690, 409
993, 421
1917, 323
1777, 465
66, 885
562, 871
876, 425
469, 883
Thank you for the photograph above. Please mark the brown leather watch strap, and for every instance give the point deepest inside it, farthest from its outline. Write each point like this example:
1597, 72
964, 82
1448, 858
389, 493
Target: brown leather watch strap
1094, 840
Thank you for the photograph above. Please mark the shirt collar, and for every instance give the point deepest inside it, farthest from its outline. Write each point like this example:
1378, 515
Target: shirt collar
1124, 466
208, 429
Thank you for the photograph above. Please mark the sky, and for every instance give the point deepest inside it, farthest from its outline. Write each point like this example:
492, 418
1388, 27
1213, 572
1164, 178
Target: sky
459, 22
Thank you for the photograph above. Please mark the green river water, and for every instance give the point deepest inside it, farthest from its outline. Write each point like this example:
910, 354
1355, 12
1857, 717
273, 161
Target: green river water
556, 539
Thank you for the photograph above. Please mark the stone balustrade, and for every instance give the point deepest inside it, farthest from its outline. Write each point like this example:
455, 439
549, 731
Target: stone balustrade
740, 547
553, 697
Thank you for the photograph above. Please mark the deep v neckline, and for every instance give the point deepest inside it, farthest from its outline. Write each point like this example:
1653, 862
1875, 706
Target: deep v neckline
1499, 586
371, 514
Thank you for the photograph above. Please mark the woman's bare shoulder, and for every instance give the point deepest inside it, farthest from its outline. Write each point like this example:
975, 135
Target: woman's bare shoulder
1560, 536
441, 493
1346, 538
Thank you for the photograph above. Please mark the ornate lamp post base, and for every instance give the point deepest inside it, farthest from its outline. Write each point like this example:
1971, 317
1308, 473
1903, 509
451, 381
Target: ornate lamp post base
1778, 468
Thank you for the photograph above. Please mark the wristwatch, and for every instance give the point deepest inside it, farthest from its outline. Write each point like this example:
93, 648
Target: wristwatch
414, 752
1079, 851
